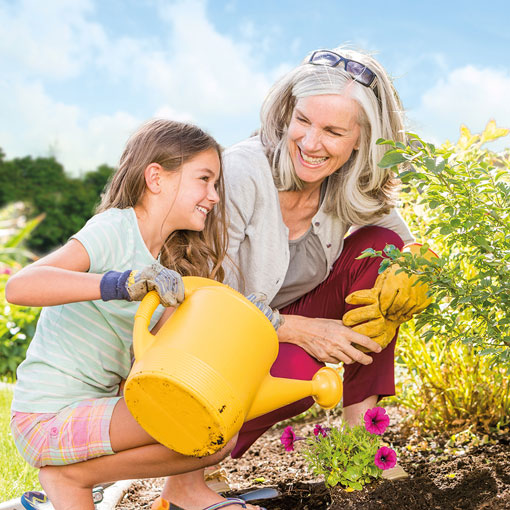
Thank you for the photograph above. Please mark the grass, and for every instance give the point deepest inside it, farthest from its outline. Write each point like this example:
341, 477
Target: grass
16, 475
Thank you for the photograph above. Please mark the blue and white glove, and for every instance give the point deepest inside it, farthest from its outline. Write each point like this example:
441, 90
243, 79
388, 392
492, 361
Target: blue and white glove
260, 301
134, 285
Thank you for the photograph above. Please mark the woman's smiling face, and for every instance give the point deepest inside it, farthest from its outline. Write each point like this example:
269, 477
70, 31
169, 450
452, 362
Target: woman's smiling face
322, 134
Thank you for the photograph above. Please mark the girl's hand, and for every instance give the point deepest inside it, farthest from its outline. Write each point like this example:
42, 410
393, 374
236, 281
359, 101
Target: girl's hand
327, 340
134, 285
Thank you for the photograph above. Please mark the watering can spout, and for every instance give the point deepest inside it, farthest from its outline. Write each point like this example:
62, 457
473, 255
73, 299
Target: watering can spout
274, 392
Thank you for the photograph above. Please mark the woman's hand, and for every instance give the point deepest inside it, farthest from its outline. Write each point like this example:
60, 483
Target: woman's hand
402, 295
327, 340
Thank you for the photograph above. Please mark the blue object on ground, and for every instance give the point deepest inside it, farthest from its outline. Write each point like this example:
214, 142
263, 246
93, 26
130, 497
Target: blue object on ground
263, 493
34, 500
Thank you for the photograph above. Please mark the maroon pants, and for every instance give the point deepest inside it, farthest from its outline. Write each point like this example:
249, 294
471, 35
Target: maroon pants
327, 301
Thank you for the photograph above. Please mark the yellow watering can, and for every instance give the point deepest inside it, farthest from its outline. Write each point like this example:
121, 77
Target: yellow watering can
206, 371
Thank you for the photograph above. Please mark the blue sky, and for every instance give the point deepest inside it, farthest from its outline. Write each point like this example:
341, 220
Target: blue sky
78, 76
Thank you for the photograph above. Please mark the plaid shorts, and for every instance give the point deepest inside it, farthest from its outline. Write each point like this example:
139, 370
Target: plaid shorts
76, 433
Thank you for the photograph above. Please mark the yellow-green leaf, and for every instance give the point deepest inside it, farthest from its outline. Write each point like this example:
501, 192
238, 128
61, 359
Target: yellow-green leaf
492, 132
466, 138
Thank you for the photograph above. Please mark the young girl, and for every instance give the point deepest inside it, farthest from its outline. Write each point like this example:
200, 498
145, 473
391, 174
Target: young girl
161, 217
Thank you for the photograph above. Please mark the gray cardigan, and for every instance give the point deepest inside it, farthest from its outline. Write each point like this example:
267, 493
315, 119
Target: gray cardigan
258, 237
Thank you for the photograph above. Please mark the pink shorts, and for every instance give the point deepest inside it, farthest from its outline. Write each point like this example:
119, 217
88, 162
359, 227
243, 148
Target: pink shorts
76, 433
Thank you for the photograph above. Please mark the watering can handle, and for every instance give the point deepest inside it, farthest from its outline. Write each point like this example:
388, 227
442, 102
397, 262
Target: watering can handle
142, 337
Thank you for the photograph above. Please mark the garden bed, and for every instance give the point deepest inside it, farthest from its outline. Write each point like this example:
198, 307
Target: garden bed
464, 472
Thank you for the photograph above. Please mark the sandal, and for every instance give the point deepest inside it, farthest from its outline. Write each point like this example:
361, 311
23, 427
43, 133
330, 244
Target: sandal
162, 504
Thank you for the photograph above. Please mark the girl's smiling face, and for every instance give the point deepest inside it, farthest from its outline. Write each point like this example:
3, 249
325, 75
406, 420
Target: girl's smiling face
322, 134
191, 191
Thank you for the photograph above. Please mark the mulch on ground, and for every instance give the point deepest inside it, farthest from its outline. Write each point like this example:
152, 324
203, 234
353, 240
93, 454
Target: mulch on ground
468, 473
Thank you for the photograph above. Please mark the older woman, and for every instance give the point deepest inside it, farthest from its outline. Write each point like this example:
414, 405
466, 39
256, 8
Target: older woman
305, 198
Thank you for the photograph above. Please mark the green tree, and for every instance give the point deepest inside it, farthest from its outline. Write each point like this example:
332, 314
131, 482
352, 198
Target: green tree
10, 182
97, 179
44, 186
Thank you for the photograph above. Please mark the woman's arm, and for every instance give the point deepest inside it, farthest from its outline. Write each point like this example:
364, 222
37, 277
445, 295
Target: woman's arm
327, 340
55, 279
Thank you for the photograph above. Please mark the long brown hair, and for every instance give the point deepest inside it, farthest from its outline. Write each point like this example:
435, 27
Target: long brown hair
171, 144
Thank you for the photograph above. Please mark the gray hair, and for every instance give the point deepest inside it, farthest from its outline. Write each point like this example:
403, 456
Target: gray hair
359, 191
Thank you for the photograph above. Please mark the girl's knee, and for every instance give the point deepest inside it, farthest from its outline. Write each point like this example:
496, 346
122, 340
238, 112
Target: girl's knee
224, 452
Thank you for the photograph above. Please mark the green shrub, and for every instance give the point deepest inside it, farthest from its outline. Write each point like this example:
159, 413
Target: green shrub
17, 327
464, 195
450, 386
454, 358
17, 323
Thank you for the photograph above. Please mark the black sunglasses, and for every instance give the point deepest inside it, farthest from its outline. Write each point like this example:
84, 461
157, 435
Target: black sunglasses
359, 72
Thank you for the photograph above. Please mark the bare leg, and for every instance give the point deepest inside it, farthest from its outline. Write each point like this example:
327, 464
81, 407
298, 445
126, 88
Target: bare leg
353, 414
138, 456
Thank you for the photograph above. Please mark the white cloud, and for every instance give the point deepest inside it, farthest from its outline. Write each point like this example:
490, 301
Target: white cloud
207, 72
51, 39
468, 95
40, 125
191, 73
167, 112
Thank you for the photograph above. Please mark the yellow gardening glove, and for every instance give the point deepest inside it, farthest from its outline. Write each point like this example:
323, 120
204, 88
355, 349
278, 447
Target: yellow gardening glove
368, 320
393, 300
401, 297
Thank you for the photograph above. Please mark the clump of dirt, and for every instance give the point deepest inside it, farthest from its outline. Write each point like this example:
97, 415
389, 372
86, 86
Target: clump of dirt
479, 479
443, 474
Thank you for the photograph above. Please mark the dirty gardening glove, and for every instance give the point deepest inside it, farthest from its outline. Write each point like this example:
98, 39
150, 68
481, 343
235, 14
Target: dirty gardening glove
369, 320
402, 295
134, 285
260, 301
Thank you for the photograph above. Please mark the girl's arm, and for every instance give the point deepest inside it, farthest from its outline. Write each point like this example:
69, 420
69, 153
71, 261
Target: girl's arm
55, 279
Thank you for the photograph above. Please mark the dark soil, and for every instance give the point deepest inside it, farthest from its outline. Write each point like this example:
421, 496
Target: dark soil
466, 472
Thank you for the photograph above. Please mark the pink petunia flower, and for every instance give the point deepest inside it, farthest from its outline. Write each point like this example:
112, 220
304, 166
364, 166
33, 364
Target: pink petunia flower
319, 429
376, 420
385, 458
288, 438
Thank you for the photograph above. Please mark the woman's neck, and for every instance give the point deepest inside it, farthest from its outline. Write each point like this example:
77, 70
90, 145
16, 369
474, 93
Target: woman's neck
298, 208
308, 197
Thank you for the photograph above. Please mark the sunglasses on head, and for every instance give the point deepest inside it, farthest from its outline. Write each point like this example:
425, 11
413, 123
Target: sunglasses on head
359, 72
